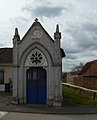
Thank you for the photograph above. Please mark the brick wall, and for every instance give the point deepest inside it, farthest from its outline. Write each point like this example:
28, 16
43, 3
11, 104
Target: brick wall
87, 82
70, 77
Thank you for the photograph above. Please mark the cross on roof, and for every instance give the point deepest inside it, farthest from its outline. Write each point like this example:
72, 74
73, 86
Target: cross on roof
36, 20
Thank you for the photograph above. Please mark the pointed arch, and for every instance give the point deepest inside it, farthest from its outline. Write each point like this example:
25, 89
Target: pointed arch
40, 48
36, 58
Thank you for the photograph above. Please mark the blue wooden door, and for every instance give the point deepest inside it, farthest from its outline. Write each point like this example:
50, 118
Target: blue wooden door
36, 86
41, 86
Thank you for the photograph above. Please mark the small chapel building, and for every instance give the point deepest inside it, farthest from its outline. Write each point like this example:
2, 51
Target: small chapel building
37, 67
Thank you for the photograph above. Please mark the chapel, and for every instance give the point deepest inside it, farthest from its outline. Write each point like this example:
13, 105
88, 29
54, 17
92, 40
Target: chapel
37, 66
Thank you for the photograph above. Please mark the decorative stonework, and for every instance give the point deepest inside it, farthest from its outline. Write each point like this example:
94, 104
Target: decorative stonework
37, 33
57, 59
36, 58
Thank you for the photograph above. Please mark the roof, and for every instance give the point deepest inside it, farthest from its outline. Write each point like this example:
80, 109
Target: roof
37, 23
5, 55
90, 69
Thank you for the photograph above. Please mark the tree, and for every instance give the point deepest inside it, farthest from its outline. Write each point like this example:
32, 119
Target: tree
78, 68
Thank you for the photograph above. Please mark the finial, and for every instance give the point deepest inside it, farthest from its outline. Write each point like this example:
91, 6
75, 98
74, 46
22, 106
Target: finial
57, 34
36, 20
16, 39
57, 28
16, 31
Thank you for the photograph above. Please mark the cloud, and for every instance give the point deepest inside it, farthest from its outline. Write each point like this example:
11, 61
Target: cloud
45, 11
71, 56
90, 27
80, 43
71, 49
2, 45
48, 11
77, 20
84, 35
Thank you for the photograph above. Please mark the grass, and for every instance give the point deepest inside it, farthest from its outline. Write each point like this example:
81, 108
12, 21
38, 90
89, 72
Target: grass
72, 97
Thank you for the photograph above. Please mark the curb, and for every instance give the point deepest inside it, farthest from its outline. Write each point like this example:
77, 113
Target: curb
50, 110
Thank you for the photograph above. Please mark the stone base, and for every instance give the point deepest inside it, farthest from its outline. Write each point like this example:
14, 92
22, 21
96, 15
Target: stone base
57, 104
21, 101
15, 101
50, 102
54, 103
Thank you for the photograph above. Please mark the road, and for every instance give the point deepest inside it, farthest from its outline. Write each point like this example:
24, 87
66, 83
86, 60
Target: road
30, 116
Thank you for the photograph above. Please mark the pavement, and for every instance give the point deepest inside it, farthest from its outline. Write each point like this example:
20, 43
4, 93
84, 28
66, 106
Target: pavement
6, 105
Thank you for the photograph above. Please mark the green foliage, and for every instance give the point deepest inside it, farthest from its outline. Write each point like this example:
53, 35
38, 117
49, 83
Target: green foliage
72, 97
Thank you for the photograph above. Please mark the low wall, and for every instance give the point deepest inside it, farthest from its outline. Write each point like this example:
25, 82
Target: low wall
82, 89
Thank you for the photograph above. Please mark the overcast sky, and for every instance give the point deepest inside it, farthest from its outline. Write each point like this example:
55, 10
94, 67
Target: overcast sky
77, 20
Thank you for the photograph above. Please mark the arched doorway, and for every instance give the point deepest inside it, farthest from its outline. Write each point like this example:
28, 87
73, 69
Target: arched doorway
36, 85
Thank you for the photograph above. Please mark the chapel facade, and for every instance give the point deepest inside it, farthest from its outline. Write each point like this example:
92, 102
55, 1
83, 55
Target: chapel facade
37, 67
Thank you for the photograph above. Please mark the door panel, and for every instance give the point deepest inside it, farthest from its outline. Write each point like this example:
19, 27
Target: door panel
36, 86
31, 87
41, 86
41, 96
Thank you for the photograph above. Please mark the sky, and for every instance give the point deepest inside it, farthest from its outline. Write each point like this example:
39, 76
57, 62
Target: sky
77, 20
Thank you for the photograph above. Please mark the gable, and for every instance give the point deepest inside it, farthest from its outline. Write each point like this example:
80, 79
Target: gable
90, 69
93, 69
37, 35
85, 68
36, 32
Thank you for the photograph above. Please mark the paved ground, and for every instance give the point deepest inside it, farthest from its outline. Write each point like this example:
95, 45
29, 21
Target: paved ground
31, 116
5, 105
2, 114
